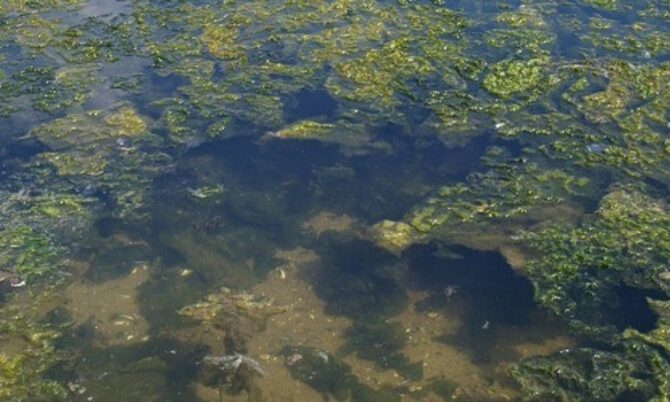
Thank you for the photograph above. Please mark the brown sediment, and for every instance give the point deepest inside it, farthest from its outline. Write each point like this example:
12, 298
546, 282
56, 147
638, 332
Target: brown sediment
514, 256
441, 360
111, 307
324, 221
305, 323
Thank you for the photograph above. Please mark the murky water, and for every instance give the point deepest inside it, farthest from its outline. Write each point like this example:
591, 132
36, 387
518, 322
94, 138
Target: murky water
334, 200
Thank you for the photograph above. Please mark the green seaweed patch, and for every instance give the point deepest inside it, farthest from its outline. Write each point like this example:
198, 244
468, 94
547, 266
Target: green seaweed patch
609, 5
632, 370
511, 77
221, 42
394, 236
26, 6
99, 150
517, 190
73, 164
304, 129
577, 268
525, 15
125, 122
94, 127
28, 350
379, 75
31, 255
659, 336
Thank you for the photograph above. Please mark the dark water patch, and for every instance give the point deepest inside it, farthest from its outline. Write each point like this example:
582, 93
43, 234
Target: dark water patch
480, 284
107, 227
628, 308
483, 276
24, 150
310, 103
357, 279
430, 156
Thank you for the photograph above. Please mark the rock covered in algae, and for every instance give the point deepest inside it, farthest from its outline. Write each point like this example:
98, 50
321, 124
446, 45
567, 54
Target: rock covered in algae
303, 129
632, 372
626, 242
239, 314
659, 336
393, 236
226, 302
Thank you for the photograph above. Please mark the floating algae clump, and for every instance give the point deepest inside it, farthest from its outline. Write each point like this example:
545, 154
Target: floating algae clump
221, 42
84, 131
126, 123
511, 77
100, 150
304, 129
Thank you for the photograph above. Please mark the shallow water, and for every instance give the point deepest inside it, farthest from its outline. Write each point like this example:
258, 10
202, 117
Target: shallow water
334, 200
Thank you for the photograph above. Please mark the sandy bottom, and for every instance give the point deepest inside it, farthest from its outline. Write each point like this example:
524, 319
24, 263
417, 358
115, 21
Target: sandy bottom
306, 324
110, 308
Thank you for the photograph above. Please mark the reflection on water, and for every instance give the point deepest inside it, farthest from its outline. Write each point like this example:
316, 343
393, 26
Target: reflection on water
334, 200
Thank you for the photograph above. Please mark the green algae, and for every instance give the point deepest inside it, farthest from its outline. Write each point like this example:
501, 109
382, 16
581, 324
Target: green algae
605, 4
28, 353
585, 116
99, 150
578, 267
588, 374
511, 77
29, 254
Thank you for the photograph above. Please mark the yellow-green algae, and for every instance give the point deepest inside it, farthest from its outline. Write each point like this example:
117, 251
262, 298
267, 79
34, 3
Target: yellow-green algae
589, 119
28, 351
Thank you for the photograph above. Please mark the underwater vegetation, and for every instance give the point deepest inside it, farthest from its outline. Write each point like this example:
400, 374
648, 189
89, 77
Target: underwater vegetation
566, 104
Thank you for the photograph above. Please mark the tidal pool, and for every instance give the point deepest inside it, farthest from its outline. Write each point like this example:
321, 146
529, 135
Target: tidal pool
334, 200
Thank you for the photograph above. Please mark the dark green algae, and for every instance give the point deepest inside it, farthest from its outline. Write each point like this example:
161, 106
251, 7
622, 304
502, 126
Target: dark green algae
574, 96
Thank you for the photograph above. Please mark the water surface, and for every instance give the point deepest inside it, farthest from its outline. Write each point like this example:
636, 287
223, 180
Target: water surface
334, 200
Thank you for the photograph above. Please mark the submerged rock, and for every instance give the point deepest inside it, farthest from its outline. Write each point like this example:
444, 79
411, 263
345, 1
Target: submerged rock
233, 363
393, 236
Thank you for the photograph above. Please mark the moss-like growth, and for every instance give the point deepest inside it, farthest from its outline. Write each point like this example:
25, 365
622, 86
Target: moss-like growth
221, 42
28, 353
578, 268
512, 77
303, 129
126, 123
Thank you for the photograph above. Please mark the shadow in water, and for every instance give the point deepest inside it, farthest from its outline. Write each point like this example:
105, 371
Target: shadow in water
483, 287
